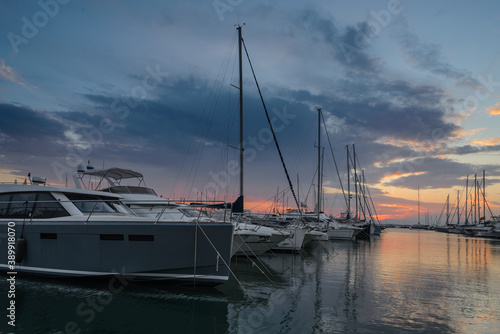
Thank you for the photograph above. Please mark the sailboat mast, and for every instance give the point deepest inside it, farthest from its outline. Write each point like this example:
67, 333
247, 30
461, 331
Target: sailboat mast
466, 199
319, 162
241, 108
418, 204
478, 201
484, 195
458, 207
298, 193
364, 205
348, 185
475, 198
322, 176
355, 182
448, 209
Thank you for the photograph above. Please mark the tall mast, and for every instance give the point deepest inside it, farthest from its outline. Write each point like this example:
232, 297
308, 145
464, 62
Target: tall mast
466, 199
298, 193
484, 195
475, 198
355, 181
241, 110
458, 207
418, 204
364, 204
348, 185
448, 209
478, 201
319, 162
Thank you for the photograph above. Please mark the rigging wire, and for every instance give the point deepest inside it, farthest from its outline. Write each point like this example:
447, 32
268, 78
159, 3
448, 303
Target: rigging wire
271, 126
334, 160
204, 127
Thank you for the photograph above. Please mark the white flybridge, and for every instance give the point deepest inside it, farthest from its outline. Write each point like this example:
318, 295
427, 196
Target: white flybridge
143, 201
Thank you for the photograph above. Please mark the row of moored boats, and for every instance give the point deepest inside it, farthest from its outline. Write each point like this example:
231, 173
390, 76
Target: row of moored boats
102, 228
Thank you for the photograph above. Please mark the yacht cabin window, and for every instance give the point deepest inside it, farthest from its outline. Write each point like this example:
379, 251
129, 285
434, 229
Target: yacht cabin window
30, 205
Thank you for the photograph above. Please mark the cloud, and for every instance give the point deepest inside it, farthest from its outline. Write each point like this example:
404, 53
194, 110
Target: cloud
30, 139
23, 123
469, 149
344, 43
9, 74
376, 108
493, 141
398, 175
495, 110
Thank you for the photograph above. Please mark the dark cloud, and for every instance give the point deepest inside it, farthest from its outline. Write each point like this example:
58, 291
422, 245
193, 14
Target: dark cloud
469, 149
347, 45
379, 108
27, 132
23, 123
30, 140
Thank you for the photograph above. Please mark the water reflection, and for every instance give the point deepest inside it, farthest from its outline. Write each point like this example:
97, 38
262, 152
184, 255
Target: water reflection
417, 281
403, 281
54, 306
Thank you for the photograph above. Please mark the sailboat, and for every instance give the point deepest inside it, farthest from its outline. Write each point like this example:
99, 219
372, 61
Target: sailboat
264, 238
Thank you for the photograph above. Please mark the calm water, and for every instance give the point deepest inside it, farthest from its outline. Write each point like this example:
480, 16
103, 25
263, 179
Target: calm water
402, 281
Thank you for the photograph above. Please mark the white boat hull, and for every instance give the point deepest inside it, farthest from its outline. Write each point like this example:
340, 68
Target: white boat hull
295, 241
342, 233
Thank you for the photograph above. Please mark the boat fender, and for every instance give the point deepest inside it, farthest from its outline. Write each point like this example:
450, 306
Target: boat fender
20, 249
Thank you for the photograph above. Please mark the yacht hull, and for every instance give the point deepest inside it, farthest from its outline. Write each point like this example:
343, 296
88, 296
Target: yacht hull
342, 233
295, 241
139, 250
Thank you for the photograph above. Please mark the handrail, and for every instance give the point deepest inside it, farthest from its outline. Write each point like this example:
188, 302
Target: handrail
91, 212
162, 211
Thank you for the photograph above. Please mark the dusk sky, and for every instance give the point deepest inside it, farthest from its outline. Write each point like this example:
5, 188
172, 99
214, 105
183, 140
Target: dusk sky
414, 85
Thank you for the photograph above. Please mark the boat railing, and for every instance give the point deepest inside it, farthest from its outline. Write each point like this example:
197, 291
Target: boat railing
210, 208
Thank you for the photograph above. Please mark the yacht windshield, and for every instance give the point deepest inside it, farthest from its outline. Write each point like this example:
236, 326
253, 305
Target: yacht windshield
97, 204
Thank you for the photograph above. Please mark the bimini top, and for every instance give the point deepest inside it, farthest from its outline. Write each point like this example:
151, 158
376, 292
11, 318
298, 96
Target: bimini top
114, 173
113, 176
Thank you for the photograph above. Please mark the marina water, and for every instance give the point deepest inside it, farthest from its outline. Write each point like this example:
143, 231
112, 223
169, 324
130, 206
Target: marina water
400, 282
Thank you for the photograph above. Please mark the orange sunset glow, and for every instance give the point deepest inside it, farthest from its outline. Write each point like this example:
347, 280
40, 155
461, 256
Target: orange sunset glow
495, 110
487, 142
398, 175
